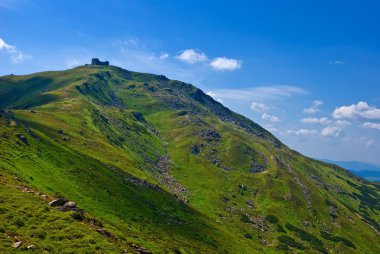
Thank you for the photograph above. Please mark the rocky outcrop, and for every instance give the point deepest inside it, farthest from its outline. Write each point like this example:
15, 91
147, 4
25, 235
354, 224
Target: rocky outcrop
58, 202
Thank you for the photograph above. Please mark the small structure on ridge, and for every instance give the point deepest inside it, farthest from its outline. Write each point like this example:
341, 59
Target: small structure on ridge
96, 61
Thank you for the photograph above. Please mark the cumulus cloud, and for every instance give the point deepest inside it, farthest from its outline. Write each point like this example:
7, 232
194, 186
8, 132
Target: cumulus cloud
273, 119
271, 128
314, 107
371, 125
225, 64
209, 93
314, 120
16, 55
164, 56
331, 131
302, 132
192, 56
361, 109
259, 107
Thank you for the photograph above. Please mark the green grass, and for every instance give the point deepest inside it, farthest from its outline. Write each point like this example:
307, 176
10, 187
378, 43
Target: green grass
88, 143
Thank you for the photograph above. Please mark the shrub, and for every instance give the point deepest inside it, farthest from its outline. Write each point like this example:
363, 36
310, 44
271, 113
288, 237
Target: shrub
41, 234
19, 223
271, 218
77, 216
279, 228
290, 241
249, 236
336, 239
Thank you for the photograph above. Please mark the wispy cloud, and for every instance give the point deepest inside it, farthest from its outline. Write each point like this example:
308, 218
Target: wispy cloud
164, 56
16, 55
73, 63
192, 56
368, 142
302, 132
371, 125
8, 4
259, 107
260, 93
337, 62
314, 120
361, 109
314, 108
225, 64
271, 118
209, 93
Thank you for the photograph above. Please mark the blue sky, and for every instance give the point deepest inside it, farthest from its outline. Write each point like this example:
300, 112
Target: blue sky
308, 71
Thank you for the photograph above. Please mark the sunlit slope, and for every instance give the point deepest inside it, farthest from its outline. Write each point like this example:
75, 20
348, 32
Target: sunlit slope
169, 169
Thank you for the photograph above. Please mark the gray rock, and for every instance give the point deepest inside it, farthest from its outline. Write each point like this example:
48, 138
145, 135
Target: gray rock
58, 202
71, 204
22, 138
17, 244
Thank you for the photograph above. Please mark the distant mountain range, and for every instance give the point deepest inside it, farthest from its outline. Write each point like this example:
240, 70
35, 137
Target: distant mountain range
366, 170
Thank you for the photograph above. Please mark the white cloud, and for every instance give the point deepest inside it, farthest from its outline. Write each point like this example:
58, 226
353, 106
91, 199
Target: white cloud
361, 109
273, 119
302, 132
314, 120
337, 62
209, 93
314, 107
225, 64
271, 128
331, 131
15, 55
371, 125
260, 93
192, 56
164, 56
259, 107
368, 142
72, 63
342, 122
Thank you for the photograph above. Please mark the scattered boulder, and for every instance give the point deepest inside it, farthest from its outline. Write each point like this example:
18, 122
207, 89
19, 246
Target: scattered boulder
17, 245
22, 138
71, 204
58, 202
61, 132
104, 232
195, 150
257, 168
30, 247
66, 139
139, 249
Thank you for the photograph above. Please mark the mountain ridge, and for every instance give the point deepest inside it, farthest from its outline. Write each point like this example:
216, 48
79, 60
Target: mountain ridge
140, 153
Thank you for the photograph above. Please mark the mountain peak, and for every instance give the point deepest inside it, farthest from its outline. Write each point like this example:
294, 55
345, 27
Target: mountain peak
153, 158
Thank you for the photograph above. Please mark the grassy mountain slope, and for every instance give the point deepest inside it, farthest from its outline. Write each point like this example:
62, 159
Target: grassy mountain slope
162, 166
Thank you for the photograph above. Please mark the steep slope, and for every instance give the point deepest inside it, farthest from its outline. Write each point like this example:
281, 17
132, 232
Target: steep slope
162, 165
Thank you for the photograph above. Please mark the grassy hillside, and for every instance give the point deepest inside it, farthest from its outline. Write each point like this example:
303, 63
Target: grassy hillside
163, 168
